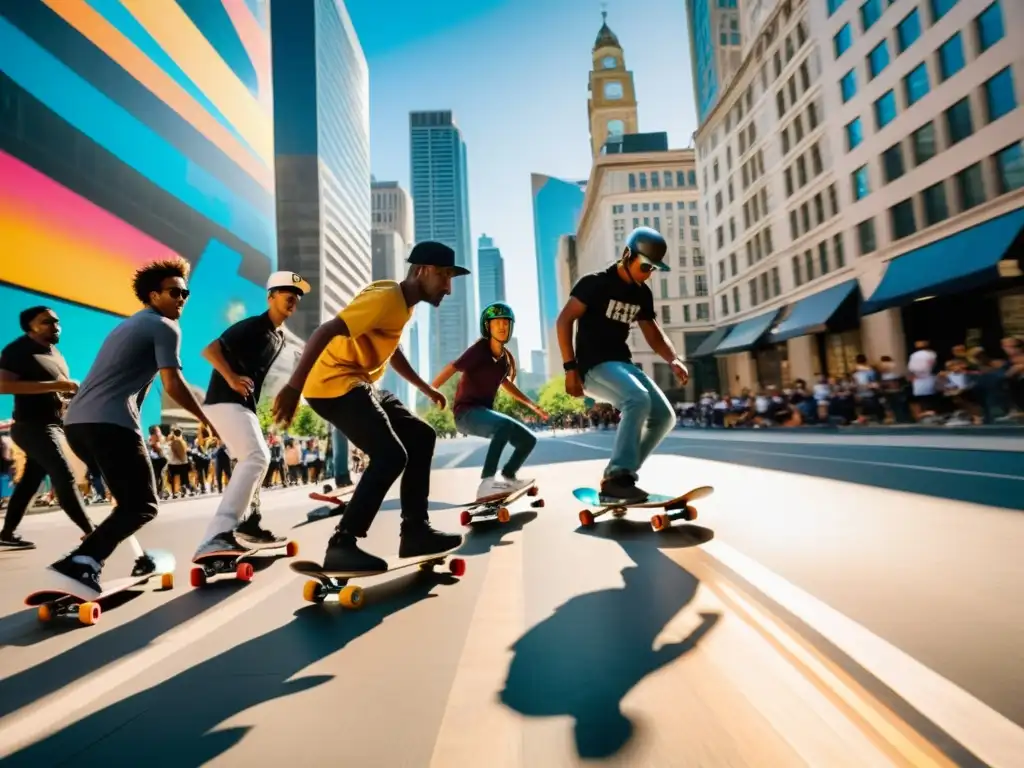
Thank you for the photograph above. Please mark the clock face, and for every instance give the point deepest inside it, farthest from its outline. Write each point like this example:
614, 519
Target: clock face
613, 90
608, 62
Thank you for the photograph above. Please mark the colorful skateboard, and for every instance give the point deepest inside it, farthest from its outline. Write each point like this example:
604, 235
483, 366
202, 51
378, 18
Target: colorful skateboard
329, 583
335, 500
676, 507
88, 608
232, 561
497, 506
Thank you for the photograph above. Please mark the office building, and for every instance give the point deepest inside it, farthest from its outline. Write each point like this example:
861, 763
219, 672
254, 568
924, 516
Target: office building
392, 210
171, 170
862, 184
440, 194
567, 272
491, 269
322, 143
716, 45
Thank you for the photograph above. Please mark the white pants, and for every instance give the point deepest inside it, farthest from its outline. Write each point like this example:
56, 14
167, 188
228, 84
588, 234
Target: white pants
240, 431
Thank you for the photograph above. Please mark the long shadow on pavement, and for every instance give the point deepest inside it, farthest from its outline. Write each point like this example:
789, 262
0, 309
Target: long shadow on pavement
487, 534
391, 505
595, 648
173, 722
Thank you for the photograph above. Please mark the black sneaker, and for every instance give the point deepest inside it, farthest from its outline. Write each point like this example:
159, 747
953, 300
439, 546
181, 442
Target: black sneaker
422, 540
80, 575
14, 541
343, 554
249, 531
622, 488
144, 565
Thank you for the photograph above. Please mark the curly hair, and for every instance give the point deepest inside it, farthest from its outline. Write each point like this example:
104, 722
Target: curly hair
148, 279
27, 316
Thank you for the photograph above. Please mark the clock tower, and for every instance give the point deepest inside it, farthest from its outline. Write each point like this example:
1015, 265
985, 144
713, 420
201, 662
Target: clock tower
612, 103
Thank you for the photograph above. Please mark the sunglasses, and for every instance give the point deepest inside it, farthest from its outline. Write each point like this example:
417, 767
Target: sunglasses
178, 293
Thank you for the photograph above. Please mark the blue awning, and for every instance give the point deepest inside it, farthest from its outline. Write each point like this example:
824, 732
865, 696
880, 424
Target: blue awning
707, 347
812, 313
746, 334
960, 262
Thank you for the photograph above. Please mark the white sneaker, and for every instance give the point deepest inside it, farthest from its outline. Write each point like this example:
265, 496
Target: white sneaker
517, 484
492, 488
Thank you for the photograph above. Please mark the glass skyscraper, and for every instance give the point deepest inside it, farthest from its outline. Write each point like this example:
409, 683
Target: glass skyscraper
322, 146
491, 272
440, 194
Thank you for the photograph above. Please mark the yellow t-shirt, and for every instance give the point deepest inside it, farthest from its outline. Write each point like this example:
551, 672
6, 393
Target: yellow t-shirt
375, 320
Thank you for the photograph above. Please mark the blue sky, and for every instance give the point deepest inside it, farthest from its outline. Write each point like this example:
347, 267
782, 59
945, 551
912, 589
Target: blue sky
514, 72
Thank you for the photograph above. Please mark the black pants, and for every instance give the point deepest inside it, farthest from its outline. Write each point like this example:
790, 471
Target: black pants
394, 440
181, 472
123, 460
44, 457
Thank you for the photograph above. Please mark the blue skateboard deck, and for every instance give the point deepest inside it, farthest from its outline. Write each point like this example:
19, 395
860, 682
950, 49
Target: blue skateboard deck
676, 507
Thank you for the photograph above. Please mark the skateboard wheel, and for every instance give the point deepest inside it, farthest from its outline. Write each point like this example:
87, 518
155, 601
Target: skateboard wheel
503, 515
313, 592
291, 549
45, 613
689, 514
351, 597
89, 613
537, 503
659, 522
533, 491
166, 581
197, 577
586, 518
457, 566
465, 518
244, 572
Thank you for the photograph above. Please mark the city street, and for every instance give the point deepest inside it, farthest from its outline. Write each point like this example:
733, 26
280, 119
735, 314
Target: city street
842, 600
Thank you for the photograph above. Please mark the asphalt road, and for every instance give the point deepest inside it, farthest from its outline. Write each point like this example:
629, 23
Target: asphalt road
851, 600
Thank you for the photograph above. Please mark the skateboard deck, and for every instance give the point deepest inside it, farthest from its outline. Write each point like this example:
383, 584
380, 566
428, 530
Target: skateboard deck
676, 507
87, 607
233, 561
497, 507
337, 504
326, 583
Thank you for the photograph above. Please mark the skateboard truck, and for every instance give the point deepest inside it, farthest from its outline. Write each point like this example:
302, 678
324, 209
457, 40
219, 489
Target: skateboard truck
497, 506
219, 563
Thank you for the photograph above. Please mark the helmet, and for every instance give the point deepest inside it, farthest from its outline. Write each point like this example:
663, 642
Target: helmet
649, 243
496, 311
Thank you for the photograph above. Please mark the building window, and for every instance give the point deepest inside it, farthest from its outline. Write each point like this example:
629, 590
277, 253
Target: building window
1010, 168
703, 312
854, 134
700, 285
842, 40
752, 290
908, 30
999, 96
878, 59
797, 276
823, 257
682, 285
776, 282
838, 252
902, 215
915, 84
736, 298
848, 85
666, 314
819, 209
951, 57
935, 207
958, 121
809, 264
940, 8
870, 12
725, 306
892, 162
970, 187
885, 110
923, 140
860, 184
866, 236
632, 182
989, 27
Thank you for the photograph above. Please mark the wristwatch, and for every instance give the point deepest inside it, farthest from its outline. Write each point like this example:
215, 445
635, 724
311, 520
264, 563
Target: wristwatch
569, 365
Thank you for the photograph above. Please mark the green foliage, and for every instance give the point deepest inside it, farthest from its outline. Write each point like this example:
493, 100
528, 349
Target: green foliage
264, 412
443, 422
306, 423
556, 401
508, 405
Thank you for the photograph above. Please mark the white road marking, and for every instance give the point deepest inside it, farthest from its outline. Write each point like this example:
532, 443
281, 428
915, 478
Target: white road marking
992, 737
604, 448
937, 440
459, 458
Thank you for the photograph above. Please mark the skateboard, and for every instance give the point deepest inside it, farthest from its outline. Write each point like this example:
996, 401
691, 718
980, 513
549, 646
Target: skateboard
232, 561
335, 500
327, 583
676, 507
497, 506
59, 602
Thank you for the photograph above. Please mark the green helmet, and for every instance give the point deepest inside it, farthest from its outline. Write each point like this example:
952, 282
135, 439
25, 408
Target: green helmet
497, 310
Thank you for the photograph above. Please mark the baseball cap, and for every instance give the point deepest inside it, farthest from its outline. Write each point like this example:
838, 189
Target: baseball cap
431, 254
288, 280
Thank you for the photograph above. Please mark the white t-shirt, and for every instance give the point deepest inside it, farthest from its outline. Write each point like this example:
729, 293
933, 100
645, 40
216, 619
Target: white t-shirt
922, 365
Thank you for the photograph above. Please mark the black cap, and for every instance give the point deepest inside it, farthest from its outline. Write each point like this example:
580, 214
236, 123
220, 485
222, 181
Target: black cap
431, 254
650, 246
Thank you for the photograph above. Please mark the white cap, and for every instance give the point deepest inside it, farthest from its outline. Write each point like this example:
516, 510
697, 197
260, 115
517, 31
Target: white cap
287, 280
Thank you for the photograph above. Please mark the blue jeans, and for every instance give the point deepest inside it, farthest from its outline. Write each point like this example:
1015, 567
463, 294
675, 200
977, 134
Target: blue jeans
647, 415
339, 446
483, 422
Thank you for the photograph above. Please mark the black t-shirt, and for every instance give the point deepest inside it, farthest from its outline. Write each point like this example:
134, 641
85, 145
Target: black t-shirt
612, 307
31, 361
250, 346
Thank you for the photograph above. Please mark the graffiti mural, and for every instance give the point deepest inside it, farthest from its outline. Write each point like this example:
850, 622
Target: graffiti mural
132, 130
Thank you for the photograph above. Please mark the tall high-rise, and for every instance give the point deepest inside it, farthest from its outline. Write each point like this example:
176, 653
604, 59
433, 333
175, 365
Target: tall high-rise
491, 272
392, 209
716, 48
440, 193
322, 146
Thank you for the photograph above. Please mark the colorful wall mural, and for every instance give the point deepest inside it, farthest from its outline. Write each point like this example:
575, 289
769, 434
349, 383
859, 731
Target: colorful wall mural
132, 130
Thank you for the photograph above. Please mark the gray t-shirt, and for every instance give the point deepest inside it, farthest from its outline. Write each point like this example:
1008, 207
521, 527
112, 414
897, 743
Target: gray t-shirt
124, 369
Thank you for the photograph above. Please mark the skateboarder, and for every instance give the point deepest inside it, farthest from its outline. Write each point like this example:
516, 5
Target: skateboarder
37, 375
241, 359
603, 306
342, 360
102, 422
485, 367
